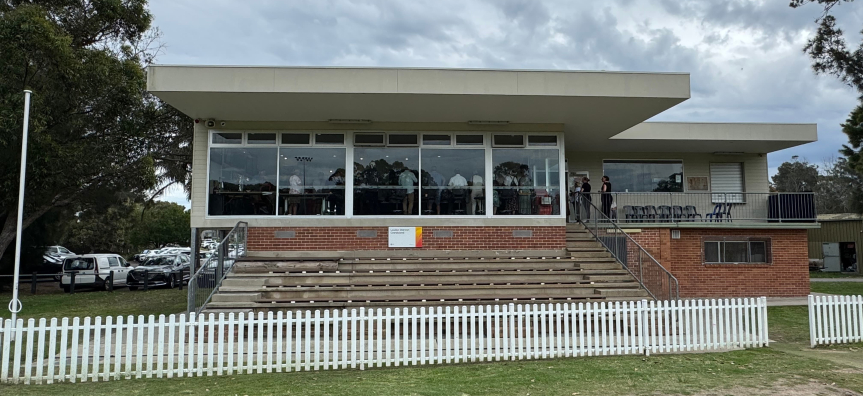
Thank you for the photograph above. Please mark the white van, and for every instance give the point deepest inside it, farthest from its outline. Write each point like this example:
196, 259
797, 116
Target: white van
92, 271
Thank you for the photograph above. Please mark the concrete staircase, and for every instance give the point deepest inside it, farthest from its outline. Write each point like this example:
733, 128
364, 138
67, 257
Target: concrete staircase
587, 272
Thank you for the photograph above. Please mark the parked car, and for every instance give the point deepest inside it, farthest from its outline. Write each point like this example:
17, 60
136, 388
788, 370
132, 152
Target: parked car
93, 271
52, 260
166, 270
206, 277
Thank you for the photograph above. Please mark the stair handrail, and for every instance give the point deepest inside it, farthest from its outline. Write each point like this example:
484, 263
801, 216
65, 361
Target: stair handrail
645, 259
205, 282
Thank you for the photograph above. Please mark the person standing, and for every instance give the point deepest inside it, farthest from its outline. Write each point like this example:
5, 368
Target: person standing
406, 181
606, 197
585, 198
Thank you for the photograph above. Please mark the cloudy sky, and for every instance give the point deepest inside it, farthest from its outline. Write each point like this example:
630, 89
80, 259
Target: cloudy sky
744, 56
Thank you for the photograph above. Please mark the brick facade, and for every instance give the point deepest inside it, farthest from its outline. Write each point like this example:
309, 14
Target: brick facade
786, 275
463, 238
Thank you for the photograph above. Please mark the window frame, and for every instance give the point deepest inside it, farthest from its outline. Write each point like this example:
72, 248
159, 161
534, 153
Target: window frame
721, 241
649, 161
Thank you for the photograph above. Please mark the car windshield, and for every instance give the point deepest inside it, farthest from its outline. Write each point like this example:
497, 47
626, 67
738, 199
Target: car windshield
78, 264
160, 261
63, 250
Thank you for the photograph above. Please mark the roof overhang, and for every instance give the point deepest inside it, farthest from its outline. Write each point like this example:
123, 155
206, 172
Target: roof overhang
724, 138
592, 106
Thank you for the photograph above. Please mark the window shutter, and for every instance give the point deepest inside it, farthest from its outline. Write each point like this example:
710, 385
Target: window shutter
726, 177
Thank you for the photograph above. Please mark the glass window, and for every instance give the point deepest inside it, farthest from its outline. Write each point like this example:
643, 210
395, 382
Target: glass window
261, 138
295, 138
113, 262
79, 264
63, 250
542, 140
469, 140
711, 252
758, 252
311, 181
508, 140
385, 181
526, 182
227, 138
369, 139
402, 139
437, 140
645, 176
737, 251
452, 181
242, 181
329, 138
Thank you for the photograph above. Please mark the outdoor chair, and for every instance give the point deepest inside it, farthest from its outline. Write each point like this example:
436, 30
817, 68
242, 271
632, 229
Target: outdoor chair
665, 213
716, 215
691, 213
650, 212
677, 213
641, 213
629, 213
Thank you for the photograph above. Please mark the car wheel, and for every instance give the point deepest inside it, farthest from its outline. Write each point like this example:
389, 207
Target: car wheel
58, 277
172, 282
133, 288
105, 285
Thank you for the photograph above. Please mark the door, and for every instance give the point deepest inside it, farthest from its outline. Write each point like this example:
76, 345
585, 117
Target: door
115, 264
832, 259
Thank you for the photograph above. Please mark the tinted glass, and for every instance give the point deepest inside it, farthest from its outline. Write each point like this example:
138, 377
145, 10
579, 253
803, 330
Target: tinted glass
634, 176
736, 252
509, 140
437, 140
78, 264
312, 181
367, 138
242, 181
385, 181
402, 139
453, 181
295, 138
227, 138
113, 262
711, 252
758, 252
469, 140
526, 182
542, 140
329, 138
261, 138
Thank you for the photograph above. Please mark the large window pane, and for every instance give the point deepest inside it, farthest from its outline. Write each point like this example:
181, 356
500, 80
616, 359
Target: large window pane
312, 181
385, 181
736, 252
526, 182
757, 252
711, 252
242, 181
453, 182
642, 176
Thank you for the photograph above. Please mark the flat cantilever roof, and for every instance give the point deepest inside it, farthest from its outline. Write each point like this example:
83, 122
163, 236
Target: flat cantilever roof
592, 106
709, 137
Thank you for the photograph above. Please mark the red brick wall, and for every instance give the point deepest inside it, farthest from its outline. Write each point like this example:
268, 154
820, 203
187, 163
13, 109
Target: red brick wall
464, 238
787, 275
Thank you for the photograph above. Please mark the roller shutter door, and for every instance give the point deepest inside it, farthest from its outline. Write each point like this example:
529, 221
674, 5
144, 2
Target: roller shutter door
726, 177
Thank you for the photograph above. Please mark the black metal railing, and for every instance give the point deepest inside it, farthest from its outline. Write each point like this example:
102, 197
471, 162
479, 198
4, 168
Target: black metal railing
206, 280
657, 280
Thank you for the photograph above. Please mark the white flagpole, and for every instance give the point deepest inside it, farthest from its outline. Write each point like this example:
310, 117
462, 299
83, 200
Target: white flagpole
15, 304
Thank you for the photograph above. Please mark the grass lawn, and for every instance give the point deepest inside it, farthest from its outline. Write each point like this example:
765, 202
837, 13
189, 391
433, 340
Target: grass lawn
815, 274
842, 288
49, 304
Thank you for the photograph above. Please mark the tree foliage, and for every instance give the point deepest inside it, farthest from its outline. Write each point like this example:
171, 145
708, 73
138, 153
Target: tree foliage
796, 176
828, 49
165, 223
837, 186
96, 136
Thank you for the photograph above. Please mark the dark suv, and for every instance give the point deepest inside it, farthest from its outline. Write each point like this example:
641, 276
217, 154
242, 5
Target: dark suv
167, 270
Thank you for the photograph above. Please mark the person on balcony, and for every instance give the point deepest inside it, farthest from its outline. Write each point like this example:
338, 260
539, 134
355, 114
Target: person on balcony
585, 198
606, 197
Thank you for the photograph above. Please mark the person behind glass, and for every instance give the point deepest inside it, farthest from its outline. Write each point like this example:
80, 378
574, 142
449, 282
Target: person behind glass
458, 183
477, 202
336, 193
406, 181
606, 197
437, 181
586, 198
295, 191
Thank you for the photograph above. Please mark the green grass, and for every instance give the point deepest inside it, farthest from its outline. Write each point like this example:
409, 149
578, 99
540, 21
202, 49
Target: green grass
841, 288
815, 274
99, 303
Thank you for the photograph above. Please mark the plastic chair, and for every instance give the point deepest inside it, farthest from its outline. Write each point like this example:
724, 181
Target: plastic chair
677, 212
665, 213
691, 213
629, 213
650, 212
716, 215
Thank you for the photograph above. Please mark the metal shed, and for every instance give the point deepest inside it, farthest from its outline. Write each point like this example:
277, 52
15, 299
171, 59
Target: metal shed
835, 238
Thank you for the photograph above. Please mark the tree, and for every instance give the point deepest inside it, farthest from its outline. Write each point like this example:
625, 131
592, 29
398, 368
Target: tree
840, 188
94, 131
165, 223
796, 176
829, 52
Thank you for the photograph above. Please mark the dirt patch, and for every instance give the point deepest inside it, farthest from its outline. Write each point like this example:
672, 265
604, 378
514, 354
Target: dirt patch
812, 387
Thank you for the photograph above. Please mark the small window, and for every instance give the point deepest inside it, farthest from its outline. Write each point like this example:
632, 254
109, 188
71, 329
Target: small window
113, 262
437, 140
369, 139
469, 140
227, 138
542, 140
329, 138
401, 139
79, 264
740, 251
508, 140
296, 138
261, 138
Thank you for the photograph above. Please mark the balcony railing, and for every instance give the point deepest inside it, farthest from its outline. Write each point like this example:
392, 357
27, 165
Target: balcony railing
692, 207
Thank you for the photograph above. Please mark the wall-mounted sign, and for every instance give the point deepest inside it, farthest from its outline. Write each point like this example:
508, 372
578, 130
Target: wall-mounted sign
696, 183
406, 237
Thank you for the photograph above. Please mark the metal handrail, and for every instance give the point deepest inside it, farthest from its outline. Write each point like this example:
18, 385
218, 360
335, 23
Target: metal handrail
645, 259
210, 275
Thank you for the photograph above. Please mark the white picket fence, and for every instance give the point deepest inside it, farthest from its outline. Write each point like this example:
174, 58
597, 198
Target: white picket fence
175, 346
835, 319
